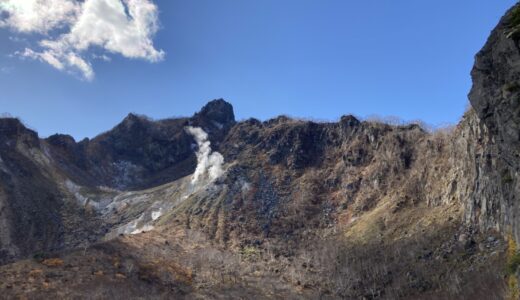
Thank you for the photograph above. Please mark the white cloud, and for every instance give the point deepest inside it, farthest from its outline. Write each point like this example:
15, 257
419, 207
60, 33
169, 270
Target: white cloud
208, 162
124, 27
45, 57
38, 15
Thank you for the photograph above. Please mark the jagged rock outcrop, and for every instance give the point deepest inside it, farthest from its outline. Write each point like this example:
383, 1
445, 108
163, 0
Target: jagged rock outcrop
495, 96
140, 153
29, 201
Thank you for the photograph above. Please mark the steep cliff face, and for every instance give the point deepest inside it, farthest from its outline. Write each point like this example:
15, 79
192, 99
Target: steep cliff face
37, 212
27, 223
495, 96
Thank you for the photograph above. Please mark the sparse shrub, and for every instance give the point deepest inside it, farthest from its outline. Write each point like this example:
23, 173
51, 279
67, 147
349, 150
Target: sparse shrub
148, 273
515, 17
513, 261
388, 120
514, 24
249, 252
53, 262
35, 273
40, 256
506, 177
412, 268
512, 87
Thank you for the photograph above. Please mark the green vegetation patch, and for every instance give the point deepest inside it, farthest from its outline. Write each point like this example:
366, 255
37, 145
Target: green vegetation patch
514, 24
515, 17
249, 252
507, 178
512, 264
512, 87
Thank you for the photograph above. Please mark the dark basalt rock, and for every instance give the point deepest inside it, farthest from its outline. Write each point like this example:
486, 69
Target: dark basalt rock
13, 131
495, 97
62, 140
495, 94
349, 121
216, 118
218, 111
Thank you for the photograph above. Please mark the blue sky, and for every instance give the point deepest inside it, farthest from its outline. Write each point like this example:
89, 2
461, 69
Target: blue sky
316, 59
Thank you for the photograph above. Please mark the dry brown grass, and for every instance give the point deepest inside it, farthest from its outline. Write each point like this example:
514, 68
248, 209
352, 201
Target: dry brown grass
53, 262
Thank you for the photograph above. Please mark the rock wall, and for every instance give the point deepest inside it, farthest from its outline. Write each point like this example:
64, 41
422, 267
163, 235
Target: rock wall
495, 97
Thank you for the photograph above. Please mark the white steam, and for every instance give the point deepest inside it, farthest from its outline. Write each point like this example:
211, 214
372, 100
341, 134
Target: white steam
208, 163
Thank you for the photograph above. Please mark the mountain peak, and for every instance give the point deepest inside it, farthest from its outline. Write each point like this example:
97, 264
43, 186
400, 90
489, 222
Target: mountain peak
132, 117
349, 121
219, 111
13, 128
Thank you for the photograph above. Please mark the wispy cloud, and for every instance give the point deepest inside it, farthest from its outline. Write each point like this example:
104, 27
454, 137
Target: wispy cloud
124, 27
5, 70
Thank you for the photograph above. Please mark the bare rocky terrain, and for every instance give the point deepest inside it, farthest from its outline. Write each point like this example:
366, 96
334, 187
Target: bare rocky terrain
207, 207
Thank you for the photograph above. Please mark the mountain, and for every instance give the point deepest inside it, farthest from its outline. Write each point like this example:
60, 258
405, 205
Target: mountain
205, 207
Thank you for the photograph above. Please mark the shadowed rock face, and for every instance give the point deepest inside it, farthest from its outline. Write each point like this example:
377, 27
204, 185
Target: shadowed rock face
496, 88
140, 153
29, 201
495, 96
12, 131
219, 112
